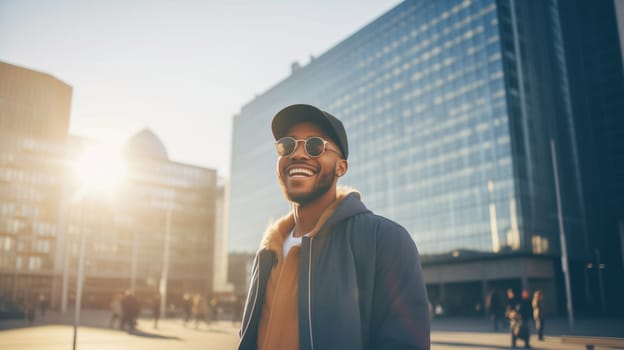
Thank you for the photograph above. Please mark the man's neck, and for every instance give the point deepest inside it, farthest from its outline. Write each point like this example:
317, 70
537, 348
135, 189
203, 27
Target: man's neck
307, 215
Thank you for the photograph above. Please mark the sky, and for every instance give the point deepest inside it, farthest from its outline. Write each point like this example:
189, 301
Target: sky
181, 68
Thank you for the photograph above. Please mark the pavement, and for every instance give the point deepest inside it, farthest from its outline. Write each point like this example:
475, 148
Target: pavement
55, 331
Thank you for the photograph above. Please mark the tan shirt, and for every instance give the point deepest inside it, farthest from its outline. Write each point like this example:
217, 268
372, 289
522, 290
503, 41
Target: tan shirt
279, 326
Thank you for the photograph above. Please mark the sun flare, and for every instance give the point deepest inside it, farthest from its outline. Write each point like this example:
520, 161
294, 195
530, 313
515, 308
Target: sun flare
100, 168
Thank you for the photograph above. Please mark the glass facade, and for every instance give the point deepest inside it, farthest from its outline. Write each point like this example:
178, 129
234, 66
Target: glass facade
591, 51
424, 94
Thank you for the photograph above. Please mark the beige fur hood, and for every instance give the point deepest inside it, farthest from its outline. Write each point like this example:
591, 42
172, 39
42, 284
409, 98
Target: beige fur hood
277, 231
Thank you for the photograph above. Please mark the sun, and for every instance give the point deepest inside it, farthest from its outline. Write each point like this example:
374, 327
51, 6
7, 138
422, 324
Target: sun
100, 168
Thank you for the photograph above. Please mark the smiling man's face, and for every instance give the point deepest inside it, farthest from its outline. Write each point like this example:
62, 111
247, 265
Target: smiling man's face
304, 179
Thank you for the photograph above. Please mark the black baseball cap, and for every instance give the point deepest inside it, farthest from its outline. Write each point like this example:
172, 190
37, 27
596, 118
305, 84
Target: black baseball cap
299, 113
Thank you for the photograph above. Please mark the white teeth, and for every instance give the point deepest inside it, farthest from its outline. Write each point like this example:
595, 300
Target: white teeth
300, 171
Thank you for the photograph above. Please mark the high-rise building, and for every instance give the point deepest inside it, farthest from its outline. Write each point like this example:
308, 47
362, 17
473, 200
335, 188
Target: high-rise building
450, 108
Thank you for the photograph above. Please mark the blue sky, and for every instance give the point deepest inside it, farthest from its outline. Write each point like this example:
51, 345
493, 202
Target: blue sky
180, 68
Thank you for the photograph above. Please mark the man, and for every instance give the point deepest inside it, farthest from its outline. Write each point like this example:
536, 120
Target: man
511, 302
519, 316
494, 307
330, 274
538, 313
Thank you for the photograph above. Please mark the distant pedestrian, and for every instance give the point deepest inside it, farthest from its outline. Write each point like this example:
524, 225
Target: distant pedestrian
200, 309
538, 313
187, 305
116, 311
43, 304
156, 309
30, 309
131, 308
214, 310
519, 319
495, 309
510, 303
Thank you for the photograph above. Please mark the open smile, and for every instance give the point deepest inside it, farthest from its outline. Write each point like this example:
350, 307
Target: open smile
300, 171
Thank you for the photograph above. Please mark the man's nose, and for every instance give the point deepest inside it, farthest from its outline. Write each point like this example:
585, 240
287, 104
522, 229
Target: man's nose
299, 151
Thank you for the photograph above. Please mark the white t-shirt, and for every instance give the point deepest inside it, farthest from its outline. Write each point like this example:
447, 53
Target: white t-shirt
290, 242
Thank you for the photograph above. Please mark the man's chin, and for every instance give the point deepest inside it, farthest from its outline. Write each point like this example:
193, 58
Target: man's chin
301, 198
303, 195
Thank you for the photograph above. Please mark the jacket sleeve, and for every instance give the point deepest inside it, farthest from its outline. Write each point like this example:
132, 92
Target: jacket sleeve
400, 312
260, 272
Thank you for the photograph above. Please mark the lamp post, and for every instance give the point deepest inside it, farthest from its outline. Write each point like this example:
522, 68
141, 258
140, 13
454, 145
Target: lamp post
164, 277
135, 261
99, 169
80, 274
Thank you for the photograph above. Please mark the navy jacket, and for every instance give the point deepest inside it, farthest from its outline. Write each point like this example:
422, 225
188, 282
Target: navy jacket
360, 286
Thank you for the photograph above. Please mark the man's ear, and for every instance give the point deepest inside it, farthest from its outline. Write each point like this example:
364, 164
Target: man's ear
341, 167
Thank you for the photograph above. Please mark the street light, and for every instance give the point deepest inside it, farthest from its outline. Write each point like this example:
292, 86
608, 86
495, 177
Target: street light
164, 276
98, 171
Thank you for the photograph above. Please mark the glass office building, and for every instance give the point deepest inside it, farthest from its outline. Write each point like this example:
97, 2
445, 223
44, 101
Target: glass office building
450, 108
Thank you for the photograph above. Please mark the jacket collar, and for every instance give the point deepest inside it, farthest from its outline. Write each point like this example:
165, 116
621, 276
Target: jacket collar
277, 231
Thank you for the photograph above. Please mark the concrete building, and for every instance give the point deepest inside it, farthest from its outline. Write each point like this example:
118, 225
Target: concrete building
155, 235
33, 104
34, 119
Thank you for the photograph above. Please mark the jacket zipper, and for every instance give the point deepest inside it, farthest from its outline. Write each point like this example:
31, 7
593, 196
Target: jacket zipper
253, 305
310, 294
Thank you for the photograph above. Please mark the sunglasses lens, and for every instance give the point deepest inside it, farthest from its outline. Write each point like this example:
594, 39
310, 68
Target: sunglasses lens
285, 146
315, 146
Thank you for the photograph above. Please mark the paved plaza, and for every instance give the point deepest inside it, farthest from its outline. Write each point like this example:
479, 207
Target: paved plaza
55, 331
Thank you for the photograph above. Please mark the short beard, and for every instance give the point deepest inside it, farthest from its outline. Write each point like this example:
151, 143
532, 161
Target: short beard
325, 183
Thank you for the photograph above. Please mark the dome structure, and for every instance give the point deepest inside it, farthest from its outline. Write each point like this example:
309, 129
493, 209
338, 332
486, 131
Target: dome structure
145, 144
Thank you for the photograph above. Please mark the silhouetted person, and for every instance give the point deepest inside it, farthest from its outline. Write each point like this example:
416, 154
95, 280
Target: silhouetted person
200, 309
156, 309
519, 320
214, 309
116, 310
187, 305
495, 309
43, 304
130, 311
538, 313
510, 302
30, 308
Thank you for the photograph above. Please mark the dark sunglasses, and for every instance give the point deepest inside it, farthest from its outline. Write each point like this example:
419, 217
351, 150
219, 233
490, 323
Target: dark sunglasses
314, 146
